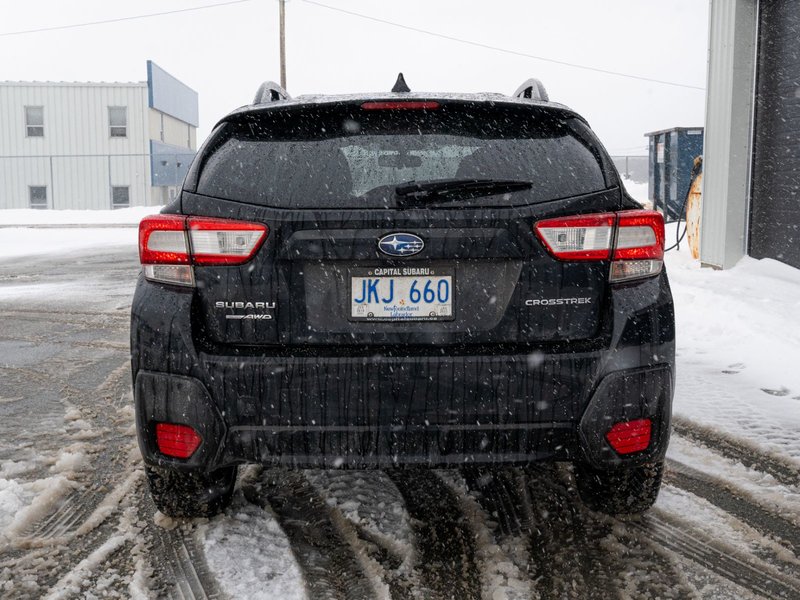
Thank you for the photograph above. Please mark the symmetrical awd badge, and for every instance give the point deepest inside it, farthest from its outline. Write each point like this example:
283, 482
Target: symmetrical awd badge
400, 244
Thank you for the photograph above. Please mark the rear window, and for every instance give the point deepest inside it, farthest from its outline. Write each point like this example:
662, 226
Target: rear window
347, 157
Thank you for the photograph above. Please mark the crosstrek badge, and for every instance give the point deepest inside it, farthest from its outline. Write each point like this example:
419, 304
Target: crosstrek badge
557, 301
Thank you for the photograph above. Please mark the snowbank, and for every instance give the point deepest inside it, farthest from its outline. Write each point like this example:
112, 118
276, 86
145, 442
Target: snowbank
637, 191
26, 241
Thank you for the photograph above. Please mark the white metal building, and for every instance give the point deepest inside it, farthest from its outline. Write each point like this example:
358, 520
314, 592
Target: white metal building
751, 184
95, 145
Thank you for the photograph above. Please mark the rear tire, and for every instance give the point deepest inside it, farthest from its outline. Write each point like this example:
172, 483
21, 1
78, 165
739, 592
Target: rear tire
619, 491
191, 493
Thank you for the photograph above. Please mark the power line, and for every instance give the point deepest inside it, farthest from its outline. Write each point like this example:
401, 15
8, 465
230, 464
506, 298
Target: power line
369, 18
120, 19
505, 50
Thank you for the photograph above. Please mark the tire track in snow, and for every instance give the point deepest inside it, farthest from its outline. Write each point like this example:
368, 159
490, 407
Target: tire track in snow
750, 455
48, 562
504, 572
400, 587
79, 506
67, 518
566, 544
446, 551
81, 576
331, 569
672, 533
726, 497
500, 496
370, 513
571, 552
755, 575
65, 532
177, 563
183, 561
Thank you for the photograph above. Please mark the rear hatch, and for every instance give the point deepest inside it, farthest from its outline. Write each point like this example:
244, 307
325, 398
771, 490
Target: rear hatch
395, 223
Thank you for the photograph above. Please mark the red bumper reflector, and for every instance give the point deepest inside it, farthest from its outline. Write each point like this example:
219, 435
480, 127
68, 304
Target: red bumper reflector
179, 441
630, 437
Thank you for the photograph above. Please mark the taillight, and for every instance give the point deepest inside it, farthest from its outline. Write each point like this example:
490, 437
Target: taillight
162, 240
223, 242
630, 436
170, 244
639, 246
179, 441
633, 240
585, 237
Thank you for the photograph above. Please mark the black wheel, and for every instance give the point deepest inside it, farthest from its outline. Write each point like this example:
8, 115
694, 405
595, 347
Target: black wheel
191, 493
619, 491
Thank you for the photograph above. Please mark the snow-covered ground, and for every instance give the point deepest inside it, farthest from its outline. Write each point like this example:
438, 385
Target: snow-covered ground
122, 216
738, 334
17, 242
29, 232
637, 191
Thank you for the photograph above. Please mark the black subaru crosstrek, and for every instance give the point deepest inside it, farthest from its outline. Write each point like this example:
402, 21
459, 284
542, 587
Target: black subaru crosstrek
398, 279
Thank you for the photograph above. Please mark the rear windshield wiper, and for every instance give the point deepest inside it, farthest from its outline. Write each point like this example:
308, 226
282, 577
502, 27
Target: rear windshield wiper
456, 189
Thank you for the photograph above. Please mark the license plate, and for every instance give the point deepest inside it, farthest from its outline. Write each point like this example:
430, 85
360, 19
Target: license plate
402, 294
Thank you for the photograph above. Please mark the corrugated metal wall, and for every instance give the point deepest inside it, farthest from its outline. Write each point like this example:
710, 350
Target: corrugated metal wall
77, 159
170, 130
775, 205
727, 144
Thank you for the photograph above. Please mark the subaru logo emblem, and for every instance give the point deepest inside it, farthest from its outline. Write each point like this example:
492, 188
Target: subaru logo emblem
400, 244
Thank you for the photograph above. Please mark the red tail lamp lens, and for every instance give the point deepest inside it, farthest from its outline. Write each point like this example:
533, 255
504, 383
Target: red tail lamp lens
178, 441
640, 235
584, 237
224, 242
162, 240
630, 436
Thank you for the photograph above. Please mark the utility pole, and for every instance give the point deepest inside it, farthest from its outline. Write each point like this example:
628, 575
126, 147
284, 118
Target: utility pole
283, 42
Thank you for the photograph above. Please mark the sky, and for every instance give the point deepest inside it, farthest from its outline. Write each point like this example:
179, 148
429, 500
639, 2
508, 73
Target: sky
225, 52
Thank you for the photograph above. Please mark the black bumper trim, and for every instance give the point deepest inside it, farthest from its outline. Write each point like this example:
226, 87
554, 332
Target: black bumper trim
165, 398
644, 393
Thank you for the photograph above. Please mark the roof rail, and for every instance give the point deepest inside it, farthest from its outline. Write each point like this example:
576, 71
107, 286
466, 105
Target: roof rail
269, 91
532, 89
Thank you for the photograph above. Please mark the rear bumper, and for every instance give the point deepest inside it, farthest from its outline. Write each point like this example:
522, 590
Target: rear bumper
366, 413
342, 409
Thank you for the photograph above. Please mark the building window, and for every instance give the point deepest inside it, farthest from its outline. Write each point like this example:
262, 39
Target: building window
120, 196
34, 121
118, 121
37, 195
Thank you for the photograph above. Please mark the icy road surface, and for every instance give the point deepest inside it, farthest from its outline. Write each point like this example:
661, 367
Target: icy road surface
76, 519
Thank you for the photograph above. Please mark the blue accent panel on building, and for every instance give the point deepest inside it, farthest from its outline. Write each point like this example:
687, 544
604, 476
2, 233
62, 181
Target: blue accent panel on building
169, 164
168, 95
672, 154
150, 83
